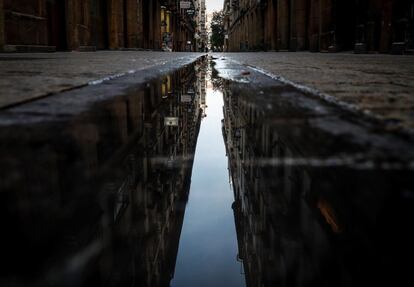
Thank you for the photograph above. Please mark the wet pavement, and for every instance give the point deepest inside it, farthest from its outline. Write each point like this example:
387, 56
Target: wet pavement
187, 180
28, 76
94, 193
322, 197
376, 85
208, 250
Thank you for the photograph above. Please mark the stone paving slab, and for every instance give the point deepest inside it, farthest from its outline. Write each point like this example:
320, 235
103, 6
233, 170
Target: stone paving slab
379, 85
28, 76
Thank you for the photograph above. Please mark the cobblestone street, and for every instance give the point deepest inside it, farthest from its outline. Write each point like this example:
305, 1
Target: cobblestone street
211, 143
381, 85
29, 76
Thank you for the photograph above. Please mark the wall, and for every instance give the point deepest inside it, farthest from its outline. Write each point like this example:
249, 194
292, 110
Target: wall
322, 25
25, 22
1, 25
49, 25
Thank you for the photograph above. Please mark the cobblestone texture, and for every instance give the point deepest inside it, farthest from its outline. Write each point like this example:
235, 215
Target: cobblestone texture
28, 76
382, 85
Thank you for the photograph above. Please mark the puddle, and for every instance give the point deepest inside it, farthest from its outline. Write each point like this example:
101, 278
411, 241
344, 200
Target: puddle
208, 250
321, 198
98, 199
202, 179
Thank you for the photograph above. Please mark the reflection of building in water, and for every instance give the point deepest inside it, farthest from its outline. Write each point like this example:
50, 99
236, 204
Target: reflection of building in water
304, 224
100, 201
201, 86
262, 195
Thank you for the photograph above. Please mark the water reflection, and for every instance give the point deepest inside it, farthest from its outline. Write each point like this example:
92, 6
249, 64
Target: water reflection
208, 245
314, 207
99, 200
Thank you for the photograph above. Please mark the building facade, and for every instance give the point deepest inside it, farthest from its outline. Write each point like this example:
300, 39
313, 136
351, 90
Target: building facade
61, 25
385, 26
202, 31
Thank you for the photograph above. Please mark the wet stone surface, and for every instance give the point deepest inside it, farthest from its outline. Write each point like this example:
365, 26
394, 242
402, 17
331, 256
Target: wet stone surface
102, 191
377, 85
322, 198
95, 196
28, 76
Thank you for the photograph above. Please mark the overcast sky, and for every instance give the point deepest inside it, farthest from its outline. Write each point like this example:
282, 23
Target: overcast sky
214, 5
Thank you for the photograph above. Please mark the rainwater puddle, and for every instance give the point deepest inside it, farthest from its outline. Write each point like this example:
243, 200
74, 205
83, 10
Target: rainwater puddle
208, 250
200, 179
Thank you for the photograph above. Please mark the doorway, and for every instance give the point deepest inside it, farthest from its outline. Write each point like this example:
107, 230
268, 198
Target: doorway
345, 26
146, 19
99, 21
56, 23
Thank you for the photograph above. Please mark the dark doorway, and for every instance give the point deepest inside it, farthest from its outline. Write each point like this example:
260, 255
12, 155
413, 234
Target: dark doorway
345, 24
99, 19
288, 27
56, 22
410, 27
403, 14
146, 17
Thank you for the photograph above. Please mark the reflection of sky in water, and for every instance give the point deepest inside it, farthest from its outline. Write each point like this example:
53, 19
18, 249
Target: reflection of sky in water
208, 243
214, 5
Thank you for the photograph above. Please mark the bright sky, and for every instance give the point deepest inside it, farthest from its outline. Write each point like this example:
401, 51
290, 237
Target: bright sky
214, 5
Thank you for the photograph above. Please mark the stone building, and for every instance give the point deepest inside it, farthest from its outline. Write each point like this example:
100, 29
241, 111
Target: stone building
50, 25
202, 31
320, 25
